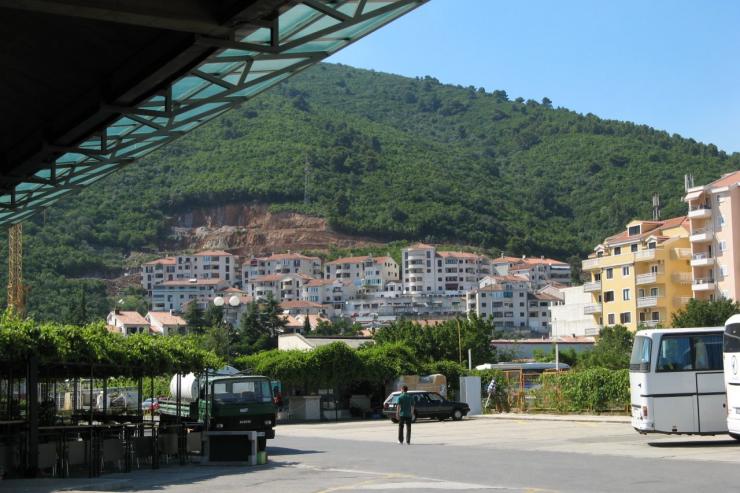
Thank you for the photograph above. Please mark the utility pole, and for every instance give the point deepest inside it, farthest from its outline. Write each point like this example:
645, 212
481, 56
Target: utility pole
306, 173
16, 290
656, 207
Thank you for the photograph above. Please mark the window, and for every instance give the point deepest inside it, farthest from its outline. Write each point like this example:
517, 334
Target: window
608, 296
610, 319
723, 270
609, 273
633, 248
655, 316
625, 271
626, 294
617, 250
633, 230
625, 318
654, 292
652, 245
640, 359
722, 246
690, 352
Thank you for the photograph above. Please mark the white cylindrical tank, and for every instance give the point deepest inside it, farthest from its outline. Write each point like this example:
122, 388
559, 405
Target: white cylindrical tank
189, 387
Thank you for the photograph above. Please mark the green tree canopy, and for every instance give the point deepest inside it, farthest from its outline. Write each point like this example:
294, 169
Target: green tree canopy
701, 313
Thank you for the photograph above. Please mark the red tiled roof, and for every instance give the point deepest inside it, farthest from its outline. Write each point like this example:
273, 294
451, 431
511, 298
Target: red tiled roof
163, 261
511, 278
130, 318
270, 278
166, 318
320, 282
660, 225
419, 246
213, 253
727, 179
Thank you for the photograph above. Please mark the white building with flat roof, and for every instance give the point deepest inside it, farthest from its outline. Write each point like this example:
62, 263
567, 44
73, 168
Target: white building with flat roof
367, 273
427, 271
171, 295
568, 318
280, 263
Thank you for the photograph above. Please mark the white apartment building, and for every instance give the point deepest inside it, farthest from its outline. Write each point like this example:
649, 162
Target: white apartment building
156, 271
126, 322
540, 271
209, 264
502, 298
280, 263
332, 293
171, 295
282, 287
166, 323
426, 271
367, 273
714, 219
568, 318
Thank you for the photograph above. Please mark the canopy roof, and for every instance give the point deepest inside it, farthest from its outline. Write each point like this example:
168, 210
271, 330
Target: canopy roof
88, 87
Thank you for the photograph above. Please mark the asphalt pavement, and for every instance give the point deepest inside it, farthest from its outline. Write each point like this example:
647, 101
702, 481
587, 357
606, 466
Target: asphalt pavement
504, 453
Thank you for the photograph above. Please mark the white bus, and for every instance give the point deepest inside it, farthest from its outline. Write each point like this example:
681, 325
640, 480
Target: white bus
731, 350
677, 383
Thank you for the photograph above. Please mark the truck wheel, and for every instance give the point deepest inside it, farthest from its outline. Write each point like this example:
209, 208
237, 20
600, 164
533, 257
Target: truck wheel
457, 415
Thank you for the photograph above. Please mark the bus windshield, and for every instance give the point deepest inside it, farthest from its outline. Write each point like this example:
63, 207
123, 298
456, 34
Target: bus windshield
242, 391
640, 359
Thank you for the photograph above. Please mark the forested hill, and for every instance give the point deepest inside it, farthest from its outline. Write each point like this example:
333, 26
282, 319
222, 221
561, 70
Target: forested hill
388, 157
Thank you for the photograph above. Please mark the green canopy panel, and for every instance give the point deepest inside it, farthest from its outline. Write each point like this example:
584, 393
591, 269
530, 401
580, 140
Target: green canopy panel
237, 69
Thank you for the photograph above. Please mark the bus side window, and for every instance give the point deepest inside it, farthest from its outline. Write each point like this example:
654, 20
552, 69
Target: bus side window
708, 352
675, 354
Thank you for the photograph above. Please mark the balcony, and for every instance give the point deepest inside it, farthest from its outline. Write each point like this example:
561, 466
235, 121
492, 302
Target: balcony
648, 301
592, 286
701, 260
681, 277
681, 300
592, 308
590, 264
649, 278
651, 324
646, 255
682, 253
700, 212
703, 285
701, 235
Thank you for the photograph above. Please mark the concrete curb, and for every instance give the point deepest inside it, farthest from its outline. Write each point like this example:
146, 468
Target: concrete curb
558, 417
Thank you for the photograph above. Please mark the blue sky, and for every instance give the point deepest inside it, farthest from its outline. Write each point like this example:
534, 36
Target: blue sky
674, 65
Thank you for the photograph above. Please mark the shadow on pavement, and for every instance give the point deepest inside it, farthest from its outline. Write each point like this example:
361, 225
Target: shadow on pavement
277, 451
696, 444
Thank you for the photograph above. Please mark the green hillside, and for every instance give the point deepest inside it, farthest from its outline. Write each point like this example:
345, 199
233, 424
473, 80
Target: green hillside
390, 157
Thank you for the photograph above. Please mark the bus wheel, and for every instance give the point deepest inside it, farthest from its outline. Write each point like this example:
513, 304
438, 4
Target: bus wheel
735, 436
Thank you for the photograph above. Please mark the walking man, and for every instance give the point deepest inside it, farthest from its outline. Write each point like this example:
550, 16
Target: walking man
404, 414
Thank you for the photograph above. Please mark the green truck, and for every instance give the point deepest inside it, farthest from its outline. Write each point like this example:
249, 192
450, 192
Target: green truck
222, 402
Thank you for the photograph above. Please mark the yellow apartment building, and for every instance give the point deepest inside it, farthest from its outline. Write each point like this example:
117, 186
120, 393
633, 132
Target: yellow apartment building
641, 275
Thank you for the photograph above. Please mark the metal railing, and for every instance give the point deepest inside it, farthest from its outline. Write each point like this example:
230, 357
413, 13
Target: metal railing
648, 301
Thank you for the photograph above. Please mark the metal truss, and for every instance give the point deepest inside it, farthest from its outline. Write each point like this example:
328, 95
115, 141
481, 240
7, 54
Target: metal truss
257, 58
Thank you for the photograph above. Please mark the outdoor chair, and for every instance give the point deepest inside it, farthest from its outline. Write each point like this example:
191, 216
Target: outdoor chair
48, 457
113, 452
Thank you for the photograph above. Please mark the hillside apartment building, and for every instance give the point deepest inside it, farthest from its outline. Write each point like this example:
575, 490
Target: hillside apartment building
714, 224
427, 271
367, 273
280, 263
641, 275
208, 264
540, 271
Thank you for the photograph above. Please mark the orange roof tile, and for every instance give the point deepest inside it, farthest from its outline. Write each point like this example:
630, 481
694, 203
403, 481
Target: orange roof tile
727, 179
213, 253
286, 305
288, 256
130, 318
163, 261
320, 282
167, 318
460, 255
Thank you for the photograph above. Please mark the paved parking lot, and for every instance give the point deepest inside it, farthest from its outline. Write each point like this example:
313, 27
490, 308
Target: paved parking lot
506, 453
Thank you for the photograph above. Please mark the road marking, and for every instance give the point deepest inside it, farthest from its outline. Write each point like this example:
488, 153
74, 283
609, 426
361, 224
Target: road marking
381, 482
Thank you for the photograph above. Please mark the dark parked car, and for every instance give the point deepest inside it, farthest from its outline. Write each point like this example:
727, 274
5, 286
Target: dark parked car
427, 405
